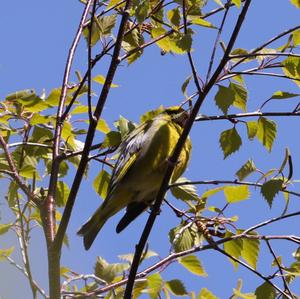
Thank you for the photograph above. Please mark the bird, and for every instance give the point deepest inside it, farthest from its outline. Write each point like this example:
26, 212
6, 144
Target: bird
140, 169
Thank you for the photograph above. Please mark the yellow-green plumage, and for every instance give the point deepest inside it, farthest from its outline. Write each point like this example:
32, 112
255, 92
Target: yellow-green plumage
139, 170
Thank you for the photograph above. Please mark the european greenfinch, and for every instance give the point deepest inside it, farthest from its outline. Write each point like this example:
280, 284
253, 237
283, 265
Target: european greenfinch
139, 170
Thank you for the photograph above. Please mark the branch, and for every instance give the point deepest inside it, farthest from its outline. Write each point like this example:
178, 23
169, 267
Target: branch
49, 211
15, 175
17, 266
172, 257
173, 159
286, 286
217, 41
263, 54
259, 74
24, 248
235, 182
267, 43
254, 271
244, 115
92, 127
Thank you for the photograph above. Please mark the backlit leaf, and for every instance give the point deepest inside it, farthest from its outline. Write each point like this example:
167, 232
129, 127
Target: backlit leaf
266, 132
236, 193
101, 79
5, 253
252, 128
101, 183
174, 16
176, 287
233, 248
248, 168
291, 67
282, 95
185, 192
224, 98
4, 228
265, 291
230, 141
155, 284
206, 294
250, 251
270, 188
192, 264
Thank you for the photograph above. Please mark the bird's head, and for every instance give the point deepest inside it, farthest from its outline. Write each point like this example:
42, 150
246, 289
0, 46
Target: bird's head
177, 114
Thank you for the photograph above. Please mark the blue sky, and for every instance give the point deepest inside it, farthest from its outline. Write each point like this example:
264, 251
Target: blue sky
36, 37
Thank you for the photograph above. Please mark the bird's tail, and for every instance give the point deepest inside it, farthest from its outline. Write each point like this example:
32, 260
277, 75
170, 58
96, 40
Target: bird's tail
91, 228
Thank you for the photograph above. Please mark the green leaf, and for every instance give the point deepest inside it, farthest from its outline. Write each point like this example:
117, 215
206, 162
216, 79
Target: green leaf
236, 193
4, 228
124, 126
131, 41
176, 287
174, 16
206, 294
182, 238
197, 20
237, 3
29, 172
107, 271
192, 264
185, 192
230, 141
238, 292
291, 68
5, 253
112, 138
285, 160
250, 250
102, 126
282, 95
62, 194
224, 98
139, 287
33, 103
248, 168
233, 248
296, 37
155, 284
266, 132
211, 192
252, 128
240, 96
101, 80
141, 12
164, 43
106, 24
265, 291
101, 183
270, 188
185, 85
297, 4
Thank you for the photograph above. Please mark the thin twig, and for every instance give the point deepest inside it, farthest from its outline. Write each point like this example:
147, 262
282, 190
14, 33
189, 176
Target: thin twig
24, 249
15, 175
175, 155
286, 286
211, 62
273, 39
245, 115
221, 182
20, 268
49, 213
252, 270
92, 128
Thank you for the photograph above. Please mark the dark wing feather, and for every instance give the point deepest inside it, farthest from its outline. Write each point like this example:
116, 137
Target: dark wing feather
128, 150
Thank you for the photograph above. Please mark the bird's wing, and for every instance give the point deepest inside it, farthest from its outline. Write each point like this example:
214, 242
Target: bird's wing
128, 152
